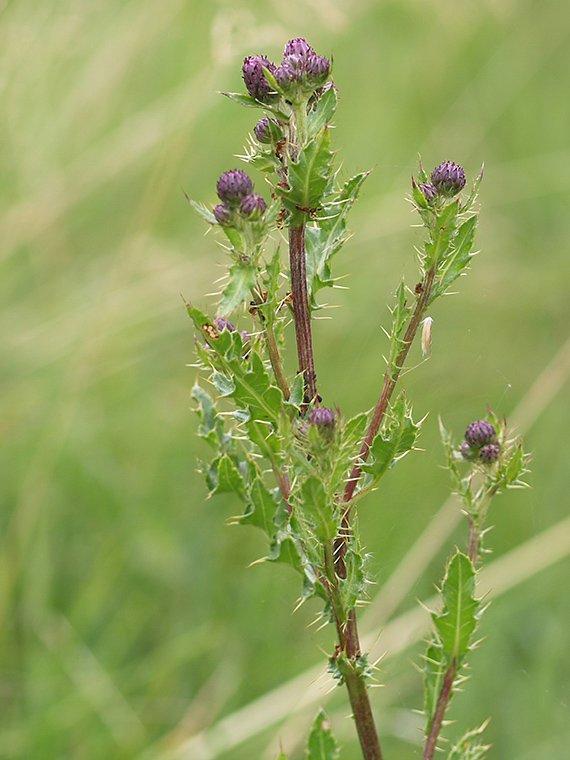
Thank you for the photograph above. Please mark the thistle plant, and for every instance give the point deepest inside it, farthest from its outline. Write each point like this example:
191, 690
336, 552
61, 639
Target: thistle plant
297, 464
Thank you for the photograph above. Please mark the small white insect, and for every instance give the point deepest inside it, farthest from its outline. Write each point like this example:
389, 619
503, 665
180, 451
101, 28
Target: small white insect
426, 335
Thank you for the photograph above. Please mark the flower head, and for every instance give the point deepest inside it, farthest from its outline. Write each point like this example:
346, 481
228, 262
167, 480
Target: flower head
262, 130
254, 78
298, 47
222, 213
252, 205
448, 178
489, 453
429, 191
223, 324
234, 185
479, 433
322, 417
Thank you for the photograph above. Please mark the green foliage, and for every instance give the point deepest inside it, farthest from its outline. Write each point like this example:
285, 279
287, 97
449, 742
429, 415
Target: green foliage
470, 746
395, 439
309, 175
457, 620
321, 744
454, 626
325, 237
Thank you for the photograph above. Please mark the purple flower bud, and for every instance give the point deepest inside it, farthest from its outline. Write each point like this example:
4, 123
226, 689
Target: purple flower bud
234, 185
286, 74
262, 130
223, 324
298, 47
429, 191
479, 433
222, 213
317, 68
466, 451
489, 453
252, 205
254, 78
448, 178
322, 417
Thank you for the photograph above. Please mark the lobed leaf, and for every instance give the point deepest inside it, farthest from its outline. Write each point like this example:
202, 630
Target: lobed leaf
470, 746
458, 618
326, 237
394, 440
242, 280
321, 744
309, 175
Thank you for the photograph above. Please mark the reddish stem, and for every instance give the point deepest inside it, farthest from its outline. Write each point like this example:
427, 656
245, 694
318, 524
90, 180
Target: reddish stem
301, 310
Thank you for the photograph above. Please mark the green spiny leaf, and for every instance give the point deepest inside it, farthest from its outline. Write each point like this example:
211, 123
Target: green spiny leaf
204, 212
326, 237
470, 746
394, 440
262, 508
211, 428
451, 266
321, 744
315, 505
323, 112
229, 478
242, 280
309, 175
457, 620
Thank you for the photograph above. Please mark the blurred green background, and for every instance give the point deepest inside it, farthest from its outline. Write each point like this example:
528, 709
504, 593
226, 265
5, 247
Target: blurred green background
131, 623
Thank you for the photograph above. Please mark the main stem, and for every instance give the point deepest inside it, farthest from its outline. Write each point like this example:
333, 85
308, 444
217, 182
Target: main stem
348, 655
301, 309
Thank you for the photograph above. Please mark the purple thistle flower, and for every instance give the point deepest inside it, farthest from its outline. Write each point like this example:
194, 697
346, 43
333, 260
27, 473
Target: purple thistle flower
254, 78
252, 205
429, 191
480, 433
322, 417
234, 185
448, 178
262, 130
298, 47
286, 74
223, 324
317, 68
467, 452
489, 453
222, 213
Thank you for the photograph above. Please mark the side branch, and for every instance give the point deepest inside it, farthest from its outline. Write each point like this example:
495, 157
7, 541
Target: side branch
391, 376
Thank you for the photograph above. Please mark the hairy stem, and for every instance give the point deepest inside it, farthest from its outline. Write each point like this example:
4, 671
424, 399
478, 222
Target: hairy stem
301, 309
437, 719
348, 654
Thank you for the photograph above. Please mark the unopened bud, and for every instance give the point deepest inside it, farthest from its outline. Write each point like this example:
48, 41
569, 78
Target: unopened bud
322, 417
489, 453
448, 178
234, 185
429, 191
222, 213
254, 78
262, 130
479, 433
298, 47
252, 205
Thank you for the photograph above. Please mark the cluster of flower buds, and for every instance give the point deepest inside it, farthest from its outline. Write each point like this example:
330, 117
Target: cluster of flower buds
480, 442
235, 191
299, 74
447, 180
